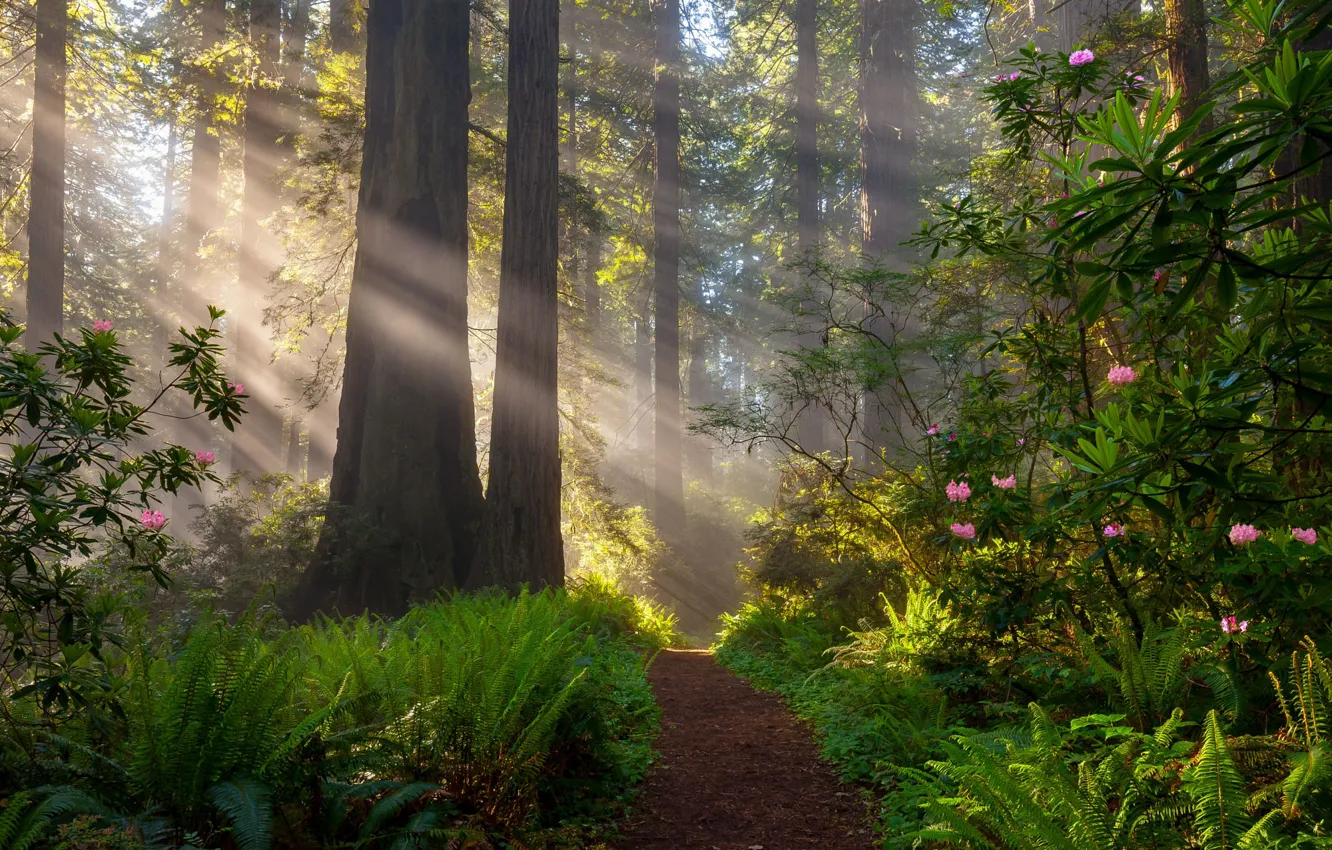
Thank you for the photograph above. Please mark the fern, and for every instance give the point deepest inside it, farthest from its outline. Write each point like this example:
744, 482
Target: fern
247, 805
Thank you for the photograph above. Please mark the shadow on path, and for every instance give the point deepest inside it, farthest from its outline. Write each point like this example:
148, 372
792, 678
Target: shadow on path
737, 771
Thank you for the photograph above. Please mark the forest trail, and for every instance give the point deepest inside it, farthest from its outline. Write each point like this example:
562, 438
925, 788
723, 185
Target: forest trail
737, 771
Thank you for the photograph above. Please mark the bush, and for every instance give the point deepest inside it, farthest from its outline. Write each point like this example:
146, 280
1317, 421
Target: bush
490, 717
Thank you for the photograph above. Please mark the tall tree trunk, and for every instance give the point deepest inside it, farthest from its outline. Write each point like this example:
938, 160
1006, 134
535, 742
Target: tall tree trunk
592, 285
887, 127
1186, 53
165, 255
258, 442
406, 453
700, 390
343, 16
642, 442
46, 205
203, 217
669, 477
521, 540
812, 425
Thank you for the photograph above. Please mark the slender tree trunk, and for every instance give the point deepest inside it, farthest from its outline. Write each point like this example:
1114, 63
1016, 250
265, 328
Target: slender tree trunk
700, 390
812, 425
669, 478
203, 218
165, 255
46, 205
640, 411
294, 459
521, 540
343, 16
887, 127
592, 285
406, 456
258, 442
1186, 53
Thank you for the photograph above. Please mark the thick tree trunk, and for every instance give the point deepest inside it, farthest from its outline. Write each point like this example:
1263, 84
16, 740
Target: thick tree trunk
1186, 53
405, 468
700, 392
521, 540
46, 204
258, 441
669, 477
887, 134
812, 425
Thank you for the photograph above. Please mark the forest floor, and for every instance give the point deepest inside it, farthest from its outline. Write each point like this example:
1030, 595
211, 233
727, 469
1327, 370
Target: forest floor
737, 771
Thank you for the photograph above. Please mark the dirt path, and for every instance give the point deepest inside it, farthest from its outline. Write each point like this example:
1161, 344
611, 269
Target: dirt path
737, 771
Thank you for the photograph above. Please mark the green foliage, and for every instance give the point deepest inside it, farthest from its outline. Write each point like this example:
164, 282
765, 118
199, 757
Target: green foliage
485, 716
71, 479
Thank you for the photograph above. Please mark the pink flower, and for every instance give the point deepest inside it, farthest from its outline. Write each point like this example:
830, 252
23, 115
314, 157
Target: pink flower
958, 491
1008, 483
101, 326
966, 531
1305, 535
204, 458
952, 436
238, 389
1022, 441
1081, 57
1114, 529
1157, 275
152, 520
1121, 375
933, 430
1241, 534
1230, 625
1079, 213
1013, 76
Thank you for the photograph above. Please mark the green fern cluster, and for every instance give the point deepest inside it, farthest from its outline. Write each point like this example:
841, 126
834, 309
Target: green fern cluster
455, 720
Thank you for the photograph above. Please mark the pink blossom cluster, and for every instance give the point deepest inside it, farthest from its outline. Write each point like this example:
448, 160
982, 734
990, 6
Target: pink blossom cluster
1121, 375
152, 520
958, 491
101, 326
1008, 78
1114, 529
966, 531
1231, 626
933, 430
204, 458
1008, 483
1078, 58
238, 389
1305, 535
1241, 534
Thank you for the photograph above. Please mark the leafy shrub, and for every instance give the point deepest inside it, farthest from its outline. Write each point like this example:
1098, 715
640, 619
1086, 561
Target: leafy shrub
488, 717
71, 479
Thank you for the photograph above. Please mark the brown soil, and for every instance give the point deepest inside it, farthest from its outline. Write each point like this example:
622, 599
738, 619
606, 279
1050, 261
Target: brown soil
736, 772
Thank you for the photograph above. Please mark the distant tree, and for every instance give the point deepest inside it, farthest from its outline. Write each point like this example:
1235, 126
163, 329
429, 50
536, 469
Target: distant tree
813, 424
405, 463
1186, 53
669, 480
46, 207
521, 539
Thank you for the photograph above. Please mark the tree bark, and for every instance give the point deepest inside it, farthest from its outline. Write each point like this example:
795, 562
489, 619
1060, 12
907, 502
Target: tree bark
887, 136
1186, 54
521, 540
343, 16
669, 476
258, 441
405, 469
46, 205
812, 424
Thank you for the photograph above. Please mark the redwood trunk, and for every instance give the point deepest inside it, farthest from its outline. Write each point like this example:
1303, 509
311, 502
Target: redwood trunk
1186, 53
258, 442
812, 425
887, 98
405, 467
521, 541
46, 205
669, 477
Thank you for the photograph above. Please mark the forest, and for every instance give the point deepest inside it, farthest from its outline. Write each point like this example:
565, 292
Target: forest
665, 424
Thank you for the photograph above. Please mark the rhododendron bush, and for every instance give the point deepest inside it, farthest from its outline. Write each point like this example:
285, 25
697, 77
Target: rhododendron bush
81, 470
1114, 406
